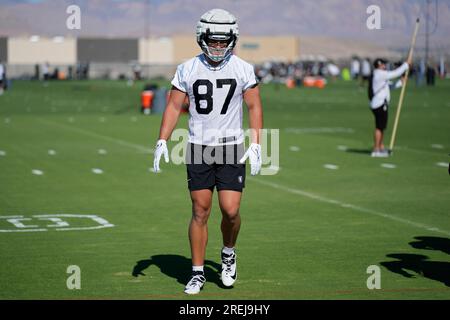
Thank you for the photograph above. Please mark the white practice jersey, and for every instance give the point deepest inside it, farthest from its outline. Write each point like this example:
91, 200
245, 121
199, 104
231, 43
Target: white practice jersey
380, 84
215, 98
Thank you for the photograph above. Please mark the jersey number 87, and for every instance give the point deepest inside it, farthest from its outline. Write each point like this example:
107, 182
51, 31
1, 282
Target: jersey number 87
208, 95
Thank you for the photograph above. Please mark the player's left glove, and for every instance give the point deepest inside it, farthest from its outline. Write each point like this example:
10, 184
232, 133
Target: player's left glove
161, 148
254, 153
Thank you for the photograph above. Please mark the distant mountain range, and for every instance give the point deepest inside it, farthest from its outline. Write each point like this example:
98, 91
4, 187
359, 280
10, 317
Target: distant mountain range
342, 19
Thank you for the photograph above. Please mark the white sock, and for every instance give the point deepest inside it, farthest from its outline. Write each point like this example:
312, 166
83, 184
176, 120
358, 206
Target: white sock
197, 268
227, 250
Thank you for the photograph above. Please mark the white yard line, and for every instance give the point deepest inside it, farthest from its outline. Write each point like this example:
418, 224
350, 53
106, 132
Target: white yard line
24, 230
350, 206
388, 165
98, 136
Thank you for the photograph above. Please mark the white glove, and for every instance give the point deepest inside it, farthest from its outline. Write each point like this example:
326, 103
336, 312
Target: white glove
254, 153
161, 148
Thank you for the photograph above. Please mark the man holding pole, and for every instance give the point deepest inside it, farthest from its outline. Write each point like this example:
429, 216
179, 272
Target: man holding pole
379, 94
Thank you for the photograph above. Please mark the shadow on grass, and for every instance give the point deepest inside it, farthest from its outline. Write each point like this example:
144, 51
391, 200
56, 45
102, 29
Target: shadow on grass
432, 243
407, 264
359, 151
179, 268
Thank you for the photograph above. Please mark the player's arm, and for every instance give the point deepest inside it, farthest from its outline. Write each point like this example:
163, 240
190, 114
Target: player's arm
168, 124
172, 113
253, 101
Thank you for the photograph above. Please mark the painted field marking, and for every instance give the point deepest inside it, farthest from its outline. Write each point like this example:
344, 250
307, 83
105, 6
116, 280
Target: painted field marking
272, 169
102, 151
2, 153
442, 164
97, 171
51, 152
7, 120
99, 136
349, 206
294, 148
331, 166
342, 148
56, 220
37, 172
437, 146
388, 165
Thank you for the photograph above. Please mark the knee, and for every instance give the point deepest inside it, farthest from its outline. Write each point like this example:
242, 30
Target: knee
200, 213
231, 213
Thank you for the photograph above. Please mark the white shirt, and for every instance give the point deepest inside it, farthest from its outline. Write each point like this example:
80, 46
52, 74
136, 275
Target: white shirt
355, 67
333, 69
45, 69
2, 70
366, 70
215, 98
380, 84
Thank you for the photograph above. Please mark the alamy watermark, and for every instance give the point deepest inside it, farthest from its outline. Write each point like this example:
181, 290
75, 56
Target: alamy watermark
73, 22
374, 280
74, 280
227, 152
373, 22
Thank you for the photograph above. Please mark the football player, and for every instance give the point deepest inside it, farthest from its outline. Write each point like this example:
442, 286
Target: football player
216, 83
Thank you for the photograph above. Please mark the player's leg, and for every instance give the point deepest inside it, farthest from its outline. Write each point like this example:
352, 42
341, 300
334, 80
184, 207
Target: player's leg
198, 228
230, 181
198, 237
229, 202
200, 183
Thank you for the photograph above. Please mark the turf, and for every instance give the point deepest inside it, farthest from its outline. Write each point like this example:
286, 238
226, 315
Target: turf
308, 232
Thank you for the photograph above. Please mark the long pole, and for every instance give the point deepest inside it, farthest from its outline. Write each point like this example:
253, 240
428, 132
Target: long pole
402, 93
427, 33
146, 38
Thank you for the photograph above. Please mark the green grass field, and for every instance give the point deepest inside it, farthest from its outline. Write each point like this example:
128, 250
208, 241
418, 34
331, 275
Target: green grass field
308, 232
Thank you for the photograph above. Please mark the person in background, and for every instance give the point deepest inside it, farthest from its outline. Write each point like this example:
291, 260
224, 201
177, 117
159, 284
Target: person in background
355, 67
379, 95
366, 71
2, 78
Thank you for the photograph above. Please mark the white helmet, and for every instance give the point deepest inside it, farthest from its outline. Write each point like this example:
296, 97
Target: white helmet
217, 24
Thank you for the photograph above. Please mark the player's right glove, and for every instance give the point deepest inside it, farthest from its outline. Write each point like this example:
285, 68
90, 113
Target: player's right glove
254, 153
161, 148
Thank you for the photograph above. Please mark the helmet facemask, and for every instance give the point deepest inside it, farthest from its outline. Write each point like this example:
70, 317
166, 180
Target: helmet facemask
218, 47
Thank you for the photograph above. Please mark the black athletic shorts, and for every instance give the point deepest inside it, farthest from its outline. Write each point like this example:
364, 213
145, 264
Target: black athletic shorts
381, 116
215, 166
